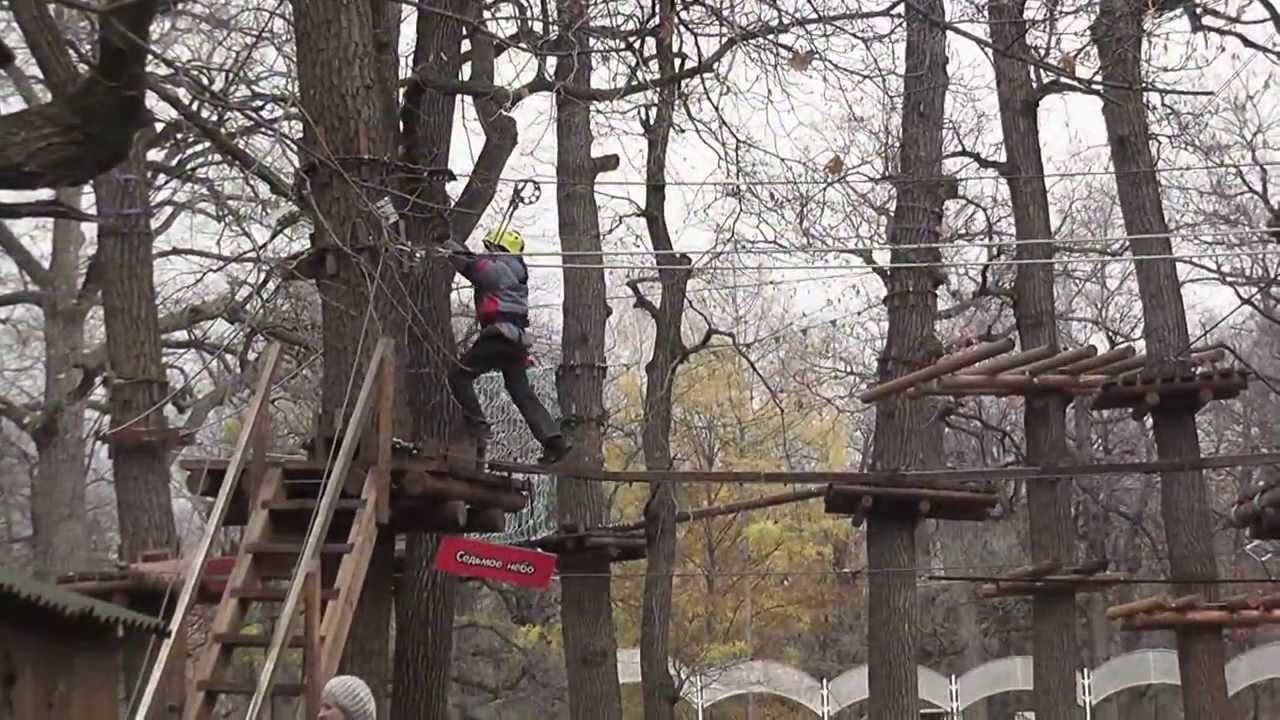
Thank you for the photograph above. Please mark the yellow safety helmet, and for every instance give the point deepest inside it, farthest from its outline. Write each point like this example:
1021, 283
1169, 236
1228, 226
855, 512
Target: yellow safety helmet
507, 239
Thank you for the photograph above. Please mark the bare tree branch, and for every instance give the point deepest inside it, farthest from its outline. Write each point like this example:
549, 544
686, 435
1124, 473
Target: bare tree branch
22, 297
35, 271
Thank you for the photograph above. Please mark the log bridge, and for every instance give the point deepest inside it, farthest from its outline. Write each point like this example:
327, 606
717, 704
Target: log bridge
1050, 577
1120, 377
1165, 612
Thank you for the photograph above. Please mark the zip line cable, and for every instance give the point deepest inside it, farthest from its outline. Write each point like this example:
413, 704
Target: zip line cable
1002, 262
846, 180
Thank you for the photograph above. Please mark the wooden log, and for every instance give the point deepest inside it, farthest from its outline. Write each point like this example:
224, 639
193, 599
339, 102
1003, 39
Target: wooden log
944, 365
909, 493
1111, 356
426, 485
1186, 602
1209, 357
1020, 382
1122, 367
731, 508
1211, 618
1136, 607
1009, 362
1245, 601
1061, 359
1050, 584
1044, 567
1089, 567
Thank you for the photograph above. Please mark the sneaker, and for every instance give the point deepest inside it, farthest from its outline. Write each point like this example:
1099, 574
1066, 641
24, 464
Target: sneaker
555, 450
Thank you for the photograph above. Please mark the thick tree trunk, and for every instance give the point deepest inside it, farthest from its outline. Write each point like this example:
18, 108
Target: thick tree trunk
347, 93
138, 383
590, 646
1118, 33
59, 520
910, 343
1044, 417
658, 687
426, 601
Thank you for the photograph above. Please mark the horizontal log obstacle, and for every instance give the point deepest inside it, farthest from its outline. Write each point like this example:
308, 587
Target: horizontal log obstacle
1165, 612
1120, 377
572, 544
1052, 577
943, 503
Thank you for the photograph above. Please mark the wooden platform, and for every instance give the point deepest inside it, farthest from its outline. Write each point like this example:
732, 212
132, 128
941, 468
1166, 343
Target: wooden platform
427, 495
1052, 577
952, 501
1164, 612
1181, 387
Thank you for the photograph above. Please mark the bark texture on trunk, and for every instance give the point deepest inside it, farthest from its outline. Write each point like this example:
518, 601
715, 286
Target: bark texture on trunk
427, 599
1184, 502
669, 352
590, 645
347, 90
911, 299
137, 384
1044, 418
59, 520
89, 126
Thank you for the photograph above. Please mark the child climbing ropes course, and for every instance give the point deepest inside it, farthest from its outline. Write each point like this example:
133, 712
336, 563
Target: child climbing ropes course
501, 283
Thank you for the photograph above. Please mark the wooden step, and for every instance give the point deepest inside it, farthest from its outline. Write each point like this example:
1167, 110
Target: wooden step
297, 504
294, 548
252, 640
233, 687
262, 594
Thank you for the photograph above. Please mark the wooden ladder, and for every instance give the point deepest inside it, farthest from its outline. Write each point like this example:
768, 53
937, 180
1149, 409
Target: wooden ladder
289, 535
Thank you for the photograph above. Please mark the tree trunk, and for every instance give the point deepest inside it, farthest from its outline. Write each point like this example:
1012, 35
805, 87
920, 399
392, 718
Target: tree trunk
137, 382
1044, 418
426, 601
590, 646
1184, 501
59, 520
347, 92
658, 687
910, 343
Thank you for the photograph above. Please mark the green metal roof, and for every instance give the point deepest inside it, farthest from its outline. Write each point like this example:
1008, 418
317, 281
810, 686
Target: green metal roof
23, 589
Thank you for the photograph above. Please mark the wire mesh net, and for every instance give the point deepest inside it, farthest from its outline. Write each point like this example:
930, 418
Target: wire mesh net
511, 440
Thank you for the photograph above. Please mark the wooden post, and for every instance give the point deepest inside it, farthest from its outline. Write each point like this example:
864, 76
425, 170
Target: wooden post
385, 434
312, 676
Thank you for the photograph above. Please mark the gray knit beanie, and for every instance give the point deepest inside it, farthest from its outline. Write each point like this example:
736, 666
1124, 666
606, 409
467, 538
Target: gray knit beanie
352, 696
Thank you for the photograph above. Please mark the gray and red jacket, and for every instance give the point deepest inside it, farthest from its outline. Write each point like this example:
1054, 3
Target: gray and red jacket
501, 283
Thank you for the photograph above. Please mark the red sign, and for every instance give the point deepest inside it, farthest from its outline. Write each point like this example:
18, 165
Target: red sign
472, 558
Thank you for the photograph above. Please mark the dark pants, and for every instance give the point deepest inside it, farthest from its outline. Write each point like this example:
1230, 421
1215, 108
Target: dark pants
494, 352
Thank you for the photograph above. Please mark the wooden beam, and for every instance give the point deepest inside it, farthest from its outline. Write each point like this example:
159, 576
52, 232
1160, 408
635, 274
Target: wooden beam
1061, 359
944, 365
1114, 355
731, 508
213, 525
1009, 362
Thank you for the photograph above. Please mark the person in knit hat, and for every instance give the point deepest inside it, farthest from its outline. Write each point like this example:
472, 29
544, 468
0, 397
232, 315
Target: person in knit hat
347, 697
